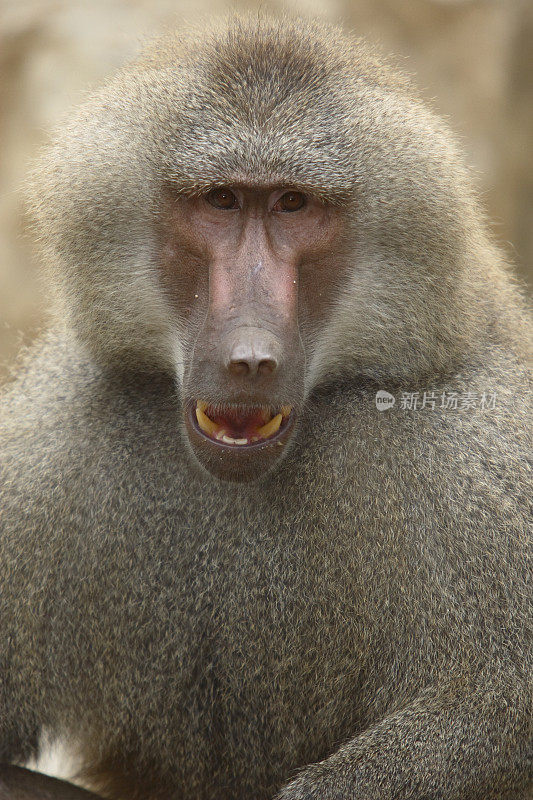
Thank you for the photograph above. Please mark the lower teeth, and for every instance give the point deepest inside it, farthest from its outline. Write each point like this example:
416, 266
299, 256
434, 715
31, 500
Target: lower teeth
229, 440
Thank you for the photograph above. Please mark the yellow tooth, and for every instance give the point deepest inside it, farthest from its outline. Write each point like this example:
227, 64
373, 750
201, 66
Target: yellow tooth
286, 410
271, 427
206, 424
201, 404
265, 415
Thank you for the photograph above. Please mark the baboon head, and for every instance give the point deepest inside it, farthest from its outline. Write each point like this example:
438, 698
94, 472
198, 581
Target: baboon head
258, 209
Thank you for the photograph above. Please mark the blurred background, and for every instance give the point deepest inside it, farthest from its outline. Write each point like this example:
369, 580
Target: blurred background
472, 59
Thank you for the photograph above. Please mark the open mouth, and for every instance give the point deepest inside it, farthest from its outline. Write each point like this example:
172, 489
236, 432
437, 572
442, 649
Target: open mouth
238, 426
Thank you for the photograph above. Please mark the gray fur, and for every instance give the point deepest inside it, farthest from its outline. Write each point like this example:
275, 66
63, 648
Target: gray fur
364, 607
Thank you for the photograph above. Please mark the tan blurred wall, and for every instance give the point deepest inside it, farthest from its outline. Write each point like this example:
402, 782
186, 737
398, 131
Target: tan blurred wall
472, 58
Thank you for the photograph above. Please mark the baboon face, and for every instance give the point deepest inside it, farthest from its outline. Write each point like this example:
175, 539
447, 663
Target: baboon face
256, 216
249, 268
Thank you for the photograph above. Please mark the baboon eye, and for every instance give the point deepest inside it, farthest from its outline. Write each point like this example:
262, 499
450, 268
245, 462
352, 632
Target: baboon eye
290, 201
222, 198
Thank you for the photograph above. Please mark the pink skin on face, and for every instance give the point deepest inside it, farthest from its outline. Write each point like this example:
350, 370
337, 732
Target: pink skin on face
245, 265
252, 278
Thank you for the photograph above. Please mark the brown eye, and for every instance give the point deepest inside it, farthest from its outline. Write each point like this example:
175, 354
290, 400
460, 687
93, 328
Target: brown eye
290, 201
222, 198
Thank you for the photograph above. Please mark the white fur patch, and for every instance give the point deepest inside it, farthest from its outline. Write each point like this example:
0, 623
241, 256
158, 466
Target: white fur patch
56, 758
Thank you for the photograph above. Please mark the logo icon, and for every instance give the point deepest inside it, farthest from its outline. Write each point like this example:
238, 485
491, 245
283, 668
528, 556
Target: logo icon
384, 400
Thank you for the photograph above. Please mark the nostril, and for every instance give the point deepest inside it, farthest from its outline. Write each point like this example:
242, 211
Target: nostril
252, 366
238, 368
267, 366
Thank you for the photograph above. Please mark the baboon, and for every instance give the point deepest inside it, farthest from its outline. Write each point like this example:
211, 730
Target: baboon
228, 571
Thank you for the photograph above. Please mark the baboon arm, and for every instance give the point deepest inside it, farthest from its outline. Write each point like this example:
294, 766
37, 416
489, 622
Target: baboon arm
17, 783
462, 749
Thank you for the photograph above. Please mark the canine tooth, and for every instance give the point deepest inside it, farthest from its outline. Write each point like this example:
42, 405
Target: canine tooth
206, 424
220, 435
265, 415
271, 427
201, 404
286, 410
